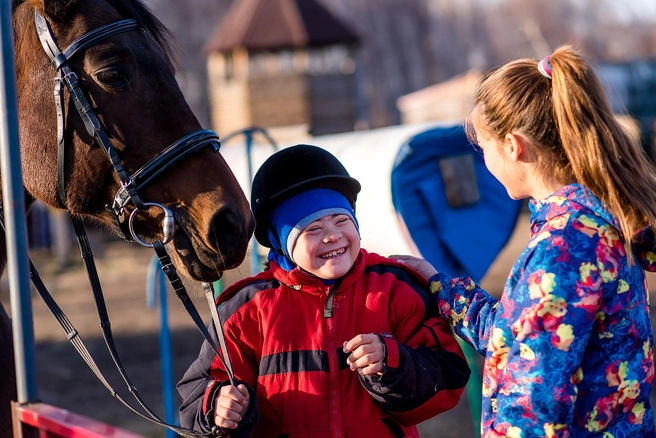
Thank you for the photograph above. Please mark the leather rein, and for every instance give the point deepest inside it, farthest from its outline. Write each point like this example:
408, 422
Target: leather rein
128, 193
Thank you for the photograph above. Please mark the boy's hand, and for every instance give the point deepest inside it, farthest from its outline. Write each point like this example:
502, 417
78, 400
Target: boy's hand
367, 354
420, 265
229, 406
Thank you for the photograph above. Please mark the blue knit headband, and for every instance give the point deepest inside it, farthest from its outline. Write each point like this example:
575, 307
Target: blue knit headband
290, 218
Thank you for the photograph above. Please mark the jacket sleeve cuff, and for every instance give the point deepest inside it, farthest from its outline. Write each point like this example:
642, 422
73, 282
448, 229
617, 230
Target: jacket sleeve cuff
391, 350
212, 389
249, 421
439, 283
391, 361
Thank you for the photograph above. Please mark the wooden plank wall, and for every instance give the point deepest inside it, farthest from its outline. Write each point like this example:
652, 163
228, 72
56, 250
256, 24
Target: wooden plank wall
332, 103
229, 108
325, 103
279, 100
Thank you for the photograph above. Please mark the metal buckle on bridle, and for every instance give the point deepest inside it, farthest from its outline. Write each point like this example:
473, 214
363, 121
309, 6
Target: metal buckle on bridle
167, 225
67, 77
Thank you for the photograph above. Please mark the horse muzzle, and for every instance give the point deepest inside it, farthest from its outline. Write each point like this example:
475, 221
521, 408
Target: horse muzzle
221, 246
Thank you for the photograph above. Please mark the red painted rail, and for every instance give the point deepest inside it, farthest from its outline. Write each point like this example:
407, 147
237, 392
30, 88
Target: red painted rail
46, 421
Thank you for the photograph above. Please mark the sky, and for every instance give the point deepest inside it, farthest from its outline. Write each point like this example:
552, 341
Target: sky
632, 10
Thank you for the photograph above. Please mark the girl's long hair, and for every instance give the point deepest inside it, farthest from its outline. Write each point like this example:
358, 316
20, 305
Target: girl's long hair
574, 135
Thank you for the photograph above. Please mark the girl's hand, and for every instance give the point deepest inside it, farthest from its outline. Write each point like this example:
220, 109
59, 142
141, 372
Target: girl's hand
420, 265
367, 354
229, 406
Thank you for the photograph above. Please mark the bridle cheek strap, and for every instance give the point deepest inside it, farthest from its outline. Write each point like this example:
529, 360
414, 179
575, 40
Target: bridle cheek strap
68, 78
130, 184
61, 147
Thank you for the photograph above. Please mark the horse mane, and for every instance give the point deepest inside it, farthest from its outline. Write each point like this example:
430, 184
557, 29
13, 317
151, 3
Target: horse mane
137, 10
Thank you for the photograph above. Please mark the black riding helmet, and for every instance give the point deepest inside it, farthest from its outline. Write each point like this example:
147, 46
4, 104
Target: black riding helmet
291, 171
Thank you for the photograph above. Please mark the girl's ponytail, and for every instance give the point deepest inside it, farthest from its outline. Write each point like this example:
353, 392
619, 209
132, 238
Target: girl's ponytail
561, 108
602, 156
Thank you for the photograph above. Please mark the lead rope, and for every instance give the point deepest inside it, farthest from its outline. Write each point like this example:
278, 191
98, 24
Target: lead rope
181, 292
218, 326
74, 337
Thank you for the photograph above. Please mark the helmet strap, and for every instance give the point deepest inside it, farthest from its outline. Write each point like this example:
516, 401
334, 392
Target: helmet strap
282, 251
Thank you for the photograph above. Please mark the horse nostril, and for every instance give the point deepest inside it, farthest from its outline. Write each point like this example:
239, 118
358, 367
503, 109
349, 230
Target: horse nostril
226, 229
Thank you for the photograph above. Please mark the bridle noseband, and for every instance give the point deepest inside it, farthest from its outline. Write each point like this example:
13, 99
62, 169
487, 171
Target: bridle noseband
130, 184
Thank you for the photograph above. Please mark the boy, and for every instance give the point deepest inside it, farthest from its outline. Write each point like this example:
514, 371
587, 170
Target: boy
329, 341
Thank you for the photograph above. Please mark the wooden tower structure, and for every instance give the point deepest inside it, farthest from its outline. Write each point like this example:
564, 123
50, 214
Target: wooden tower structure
281, 64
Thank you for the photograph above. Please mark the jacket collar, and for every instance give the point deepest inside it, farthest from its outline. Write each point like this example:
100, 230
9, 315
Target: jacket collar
301, 280
572, 197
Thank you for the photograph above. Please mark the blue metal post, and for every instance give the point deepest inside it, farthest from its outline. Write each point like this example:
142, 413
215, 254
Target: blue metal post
255, 255
156, 280
168, 388
256, 263
14, 209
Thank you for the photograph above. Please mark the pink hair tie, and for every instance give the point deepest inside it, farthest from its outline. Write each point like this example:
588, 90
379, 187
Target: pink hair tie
545, 67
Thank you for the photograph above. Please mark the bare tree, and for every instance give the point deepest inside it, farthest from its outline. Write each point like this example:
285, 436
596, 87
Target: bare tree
410, 44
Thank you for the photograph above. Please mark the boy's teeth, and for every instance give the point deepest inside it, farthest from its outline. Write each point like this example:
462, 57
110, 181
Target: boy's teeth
332, 254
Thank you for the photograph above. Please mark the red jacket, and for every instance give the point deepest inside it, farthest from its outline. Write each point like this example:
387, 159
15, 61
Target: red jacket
285, 332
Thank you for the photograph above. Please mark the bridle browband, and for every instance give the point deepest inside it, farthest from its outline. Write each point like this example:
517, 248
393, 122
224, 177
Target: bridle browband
130, 184
128, 193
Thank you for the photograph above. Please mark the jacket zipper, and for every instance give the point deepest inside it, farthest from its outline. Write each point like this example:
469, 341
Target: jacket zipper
334, 366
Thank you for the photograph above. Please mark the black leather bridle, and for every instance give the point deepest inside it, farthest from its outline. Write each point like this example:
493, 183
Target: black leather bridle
130, 184
128, 193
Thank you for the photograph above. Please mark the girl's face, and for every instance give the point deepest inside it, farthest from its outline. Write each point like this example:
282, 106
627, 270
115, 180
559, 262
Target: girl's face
501, 159
327, 247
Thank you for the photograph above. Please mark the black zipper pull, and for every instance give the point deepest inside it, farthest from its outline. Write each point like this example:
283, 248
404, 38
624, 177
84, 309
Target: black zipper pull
328, 310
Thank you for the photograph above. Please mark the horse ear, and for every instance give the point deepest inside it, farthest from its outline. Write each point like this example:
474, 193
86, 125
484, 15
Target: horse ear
56, 10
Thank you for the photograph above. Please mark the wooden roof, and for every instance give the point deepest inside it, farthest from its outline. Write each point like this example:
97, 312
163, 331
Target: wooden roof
257, 25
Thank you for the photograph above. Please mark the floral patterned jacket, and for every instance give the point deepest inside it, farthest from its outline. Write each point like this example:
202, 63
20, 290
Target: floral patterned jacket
569, 347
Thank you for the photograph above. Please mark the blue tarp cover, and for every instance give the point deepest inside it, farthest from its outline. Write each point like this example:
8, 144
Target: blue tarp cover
458, 240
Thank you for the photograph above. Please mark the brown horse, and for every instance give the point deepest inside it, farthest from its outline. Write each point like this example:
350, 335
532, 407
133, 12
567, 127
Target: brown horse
128, 78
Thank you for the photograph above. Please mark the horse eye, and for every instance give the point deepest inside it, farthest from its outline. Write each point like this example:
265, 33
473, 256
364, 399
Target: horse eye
112, 77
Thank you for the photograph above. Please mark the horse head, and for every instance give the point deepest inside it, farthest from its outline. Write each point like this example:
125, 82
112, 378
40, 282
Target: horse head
128, 79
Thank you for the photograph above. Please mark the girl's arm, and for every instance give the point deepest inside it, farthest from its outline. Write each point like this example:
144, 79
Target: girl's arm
469, 308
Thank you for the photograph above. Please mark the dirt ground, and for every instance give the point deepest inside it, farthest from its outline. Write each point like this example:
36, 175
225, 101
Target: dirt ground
64, 380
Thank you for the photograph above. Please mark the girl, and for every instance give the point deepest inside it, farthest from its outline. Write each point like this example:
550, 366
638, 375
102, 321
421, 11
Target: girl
569, 346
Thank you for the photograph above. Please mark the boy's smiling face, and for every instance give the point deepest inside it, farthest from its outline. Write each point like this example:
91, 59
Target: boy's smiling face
327, 247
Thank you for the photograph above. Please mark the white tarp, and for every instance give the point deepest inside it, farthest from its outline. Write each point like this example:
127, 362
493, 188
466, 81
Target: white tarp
368, 156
